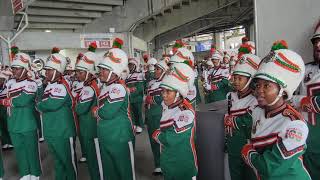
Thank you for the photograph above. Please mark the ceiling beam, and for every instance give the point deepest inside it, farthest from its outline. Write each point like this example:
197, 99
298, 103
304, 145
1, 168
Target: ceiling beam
53, 26
105, 2
64, 13
49, 19
71, 5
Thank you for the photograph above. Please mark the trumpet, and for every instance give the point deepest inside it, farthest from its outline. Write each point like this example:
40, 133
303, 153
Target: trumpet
37, 65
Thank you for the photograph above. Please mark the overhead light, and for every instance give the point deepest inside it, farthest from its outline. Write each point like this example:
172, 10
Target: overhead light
112, 30
47, 30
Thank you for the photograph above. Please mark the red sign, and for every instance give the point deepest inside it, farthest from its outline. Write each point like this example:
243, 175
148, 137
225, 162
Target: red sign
17, 5
101, 43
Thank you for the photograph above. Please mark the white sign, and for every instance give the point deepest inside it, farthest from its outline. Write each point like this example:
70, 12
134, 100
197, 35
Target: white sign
102, 40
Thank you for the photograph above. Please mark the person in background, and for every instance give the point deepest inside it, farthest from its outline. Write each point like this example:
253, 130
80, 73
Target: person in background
184, 55
307, 101
218, 84
154, 111
238, 121
86, 100
5, 137
225, 60
76, 88
136, 82
4, 76
177, 126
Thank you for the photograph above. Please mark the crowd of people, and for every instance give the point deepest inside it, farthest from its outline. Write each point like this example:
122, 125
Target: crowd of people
271, 125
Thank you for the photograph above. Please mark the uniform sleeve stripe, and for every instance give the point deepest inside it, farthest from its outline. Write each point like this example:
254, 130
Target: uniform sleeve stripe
250, 163
29, 92
182, 129
86, 99
156, 136
115, 99
56, 97
315, 104
15, 90
288, 154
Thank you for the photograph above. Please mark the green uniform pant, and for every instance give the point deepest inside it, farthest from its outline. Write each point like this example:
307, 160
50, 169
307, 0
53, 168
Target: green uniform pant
198, 98
26, 148
64, 156
238, 169
312, 163
82, 142
39, 123
88, 146
311, 158
1, 166
136, 112
5, 138
117, 160
153, 123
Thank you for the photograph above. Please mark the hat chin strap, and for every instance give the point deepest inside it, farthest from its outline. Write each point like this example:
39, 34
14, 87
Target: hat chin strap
162, 75
134, 69
277, 98
109, 76
176, 98
54, 75
24, 70
87, 75
249, 81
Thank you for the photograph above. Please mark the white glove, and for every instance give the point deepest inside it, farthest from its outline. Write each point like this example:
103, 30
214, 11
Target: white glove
207, 86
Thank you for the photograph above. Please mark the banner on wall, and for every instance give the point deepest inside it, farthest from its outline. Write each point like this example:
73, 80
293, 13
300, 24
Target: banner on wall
102, 40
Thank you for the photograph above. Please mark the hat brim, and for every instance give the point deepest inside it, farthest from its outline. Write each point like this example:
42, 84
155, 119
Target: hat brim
314, 37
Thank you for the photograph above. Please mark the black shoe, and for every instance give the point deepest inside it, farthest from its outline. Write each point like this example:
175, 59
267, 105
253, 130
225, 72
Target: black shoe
82, 160
157, 172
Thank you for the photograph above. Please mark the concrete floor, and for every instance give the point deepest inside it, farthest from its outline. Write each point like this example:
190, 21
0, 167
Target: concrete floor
143, 162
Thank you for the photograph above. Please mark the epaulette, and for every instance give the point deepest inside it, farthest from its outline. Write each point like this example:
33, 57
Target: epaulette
186, 105
30, 80
293, 114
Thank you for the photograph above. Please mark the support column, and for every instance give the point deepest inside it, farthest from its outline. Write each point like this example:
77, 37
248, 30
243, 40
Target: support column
247, 31
217, 40
4, 53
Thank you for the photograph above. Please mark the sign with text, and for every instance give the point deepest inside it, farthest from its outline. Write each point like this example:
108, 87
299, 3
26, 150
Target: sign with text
102, 40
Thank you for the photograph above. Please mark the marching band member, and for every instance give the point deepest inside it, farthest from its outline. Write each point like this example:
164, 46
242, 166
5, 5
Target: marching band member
279, 133
115, 128
22, 125
154, 111
177, 126
57, 111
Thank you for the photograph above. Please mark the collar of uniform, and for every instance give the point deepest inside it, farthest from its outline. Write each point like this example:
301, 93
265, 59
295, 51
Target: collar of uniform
58, 81
276, 111
89, 81
244, 94
20, 80
175, 104
160, 79
115, 80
